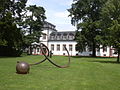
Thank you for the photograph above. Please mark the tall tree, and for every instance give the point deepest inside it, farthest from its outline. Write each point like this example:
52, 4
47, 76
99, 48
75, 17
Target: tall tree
34, 19
10, 34
15, 7
86, 14
111, 26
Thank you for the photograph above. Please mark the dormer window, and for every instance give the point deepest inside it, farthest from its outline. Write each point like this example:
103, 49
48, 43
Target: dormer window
64, 36
52, 36
71, 36
58, 36
44, 36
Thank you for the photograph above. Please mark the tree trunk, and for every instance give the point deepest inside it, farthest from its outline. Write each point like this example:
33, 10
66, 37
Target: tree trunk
118, 57
30, 43
30, 50
94, 50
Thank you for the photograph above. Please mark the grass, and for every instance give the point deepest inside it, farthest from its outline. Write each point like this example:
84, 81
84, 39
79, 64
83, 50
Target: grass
84, 73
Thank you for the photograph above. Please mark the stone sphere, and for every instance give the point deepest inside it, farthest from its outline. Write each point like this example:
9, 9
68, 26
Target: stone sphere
22, 67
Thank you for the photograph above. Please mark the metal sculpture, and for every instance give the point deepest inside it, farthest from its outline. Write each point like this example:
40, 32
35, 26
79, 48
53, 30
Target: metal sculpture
23, 67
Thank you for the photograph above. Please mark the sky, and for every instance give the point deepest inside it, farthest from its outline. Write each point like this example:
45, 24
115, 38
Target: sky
56, 13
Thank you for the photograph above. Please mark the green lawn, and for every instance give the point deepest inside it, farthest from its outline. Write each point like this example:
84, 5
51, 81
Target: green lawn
84, 73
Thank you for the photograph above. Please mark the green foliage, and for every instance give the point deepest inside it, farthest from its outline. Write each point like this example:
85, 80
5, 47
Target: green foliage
111, 26
10, 34
81, 42
86, 14
11, 38
33, 23
9, 51
13, 6
115, 33
15, 23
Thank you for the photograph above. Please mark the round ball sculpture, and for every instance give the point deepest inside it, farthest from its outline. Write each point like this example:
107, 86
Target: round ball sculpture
22, 67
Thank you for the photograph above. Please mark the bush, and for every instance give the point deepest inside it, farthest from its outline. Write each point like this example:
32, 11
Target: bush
8, 51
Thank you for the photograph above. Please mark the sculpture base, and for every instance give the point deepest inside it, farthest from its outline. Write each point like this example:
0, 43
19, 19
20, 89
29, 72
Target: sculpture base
22, 68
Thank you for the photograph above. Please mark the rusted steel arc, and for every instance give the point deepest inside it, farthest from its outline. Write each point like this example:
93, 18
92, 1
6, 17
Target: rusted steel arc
65, 66
44, 58
52, 61
38, 62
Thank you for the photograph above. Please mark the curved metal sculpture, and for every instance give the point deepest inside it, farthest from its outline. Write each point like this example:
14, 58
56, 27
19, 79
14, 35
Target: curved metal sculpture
23, 67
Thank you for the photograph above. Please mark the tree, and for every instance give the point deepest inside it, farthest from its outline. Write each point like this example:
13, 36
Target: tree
11, 38
111, 26
86, 14
10, 34
15, 7
33, 24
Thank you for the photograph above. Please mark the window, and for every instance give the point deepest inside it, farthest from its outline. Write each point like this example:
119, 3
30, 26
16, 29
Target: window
63, 53
104, 54
37, 49
115, 51
44, 36
64, 47
71, 37
64, 37
58, 47
32, 49
104, 49
70, 47
52, 37
58, 37
52, 47
98, 49
76, 47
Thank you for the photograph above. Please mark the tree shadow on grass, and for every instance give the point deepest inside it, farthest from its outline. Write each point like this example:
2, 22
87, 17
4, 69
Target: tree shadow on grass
112, 62
82, 57
99, 59
11, 56
91, 57
7, 57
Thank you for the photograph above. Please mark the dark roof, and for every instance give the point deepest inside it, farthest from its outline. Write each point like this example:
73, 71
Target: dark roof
62, 36
67, 32
48, 26
47, 23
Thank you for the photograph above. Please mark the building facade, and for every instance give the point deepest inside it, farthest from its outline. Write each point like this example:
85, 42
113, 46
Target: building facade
56, 41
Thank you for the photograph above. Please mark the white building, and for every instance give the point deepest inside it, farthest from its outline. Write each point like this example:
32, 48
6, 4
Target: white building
56, 41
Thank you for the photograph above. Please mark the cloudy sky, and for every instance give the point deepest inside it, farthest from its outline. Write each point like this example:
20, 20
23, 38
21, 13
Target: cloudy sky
56, 12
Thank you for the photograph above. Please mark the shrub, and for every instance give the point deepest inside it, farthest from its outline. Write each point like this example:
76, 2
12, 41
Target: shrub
9, 51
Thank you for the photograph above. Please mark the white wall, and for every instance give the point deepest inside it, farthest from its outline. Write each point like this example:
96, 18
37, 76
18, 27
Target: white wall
73, 43
47, 32
61, 52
